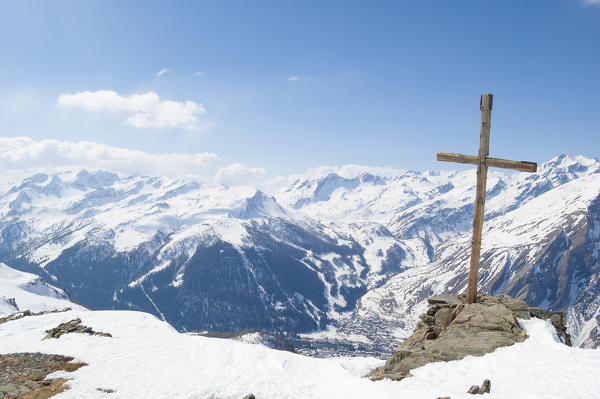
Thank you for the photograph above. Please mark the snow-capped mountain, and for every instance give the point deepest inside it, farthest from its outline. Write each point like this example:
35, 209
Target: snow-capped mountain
347, 257
200, 257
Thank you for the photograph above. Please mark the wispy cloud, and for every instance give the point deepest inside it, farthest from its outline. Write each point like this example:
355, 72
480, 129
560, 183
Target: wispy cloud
592, 2
297, 78
161, 72
239, 174
22, 155
197, 73
147, 110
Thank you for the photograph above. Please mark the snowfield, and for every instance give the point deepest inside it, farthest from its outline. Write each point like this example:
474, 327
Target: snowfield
146, 358
25, 291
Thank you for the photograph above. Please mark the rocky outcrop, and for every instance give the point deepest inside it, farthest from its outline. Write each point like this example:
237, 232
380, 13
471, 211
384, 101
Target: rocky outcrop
480, 390
451, 330
23, 375
26, 313
73, 326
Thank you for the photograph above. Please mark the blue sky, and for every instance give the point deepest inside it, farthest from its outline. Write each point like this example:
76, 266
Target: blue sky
290, 85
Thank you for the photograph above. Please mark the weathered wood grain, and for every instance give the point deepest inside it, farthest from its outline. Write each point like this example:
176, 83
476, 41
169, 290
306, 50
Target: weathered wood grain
483, 161
522, 166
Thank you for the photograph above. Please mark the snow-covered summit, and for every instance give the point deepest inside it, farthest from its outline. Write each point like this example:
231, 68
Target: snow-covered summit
260, 205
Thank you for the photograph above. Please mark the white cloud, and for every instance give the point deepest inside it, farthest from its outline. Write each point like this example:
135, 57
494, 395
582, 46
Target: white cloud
593, 2
147, 109
296, 78
22, 156
161, 72
197, 73
239, 174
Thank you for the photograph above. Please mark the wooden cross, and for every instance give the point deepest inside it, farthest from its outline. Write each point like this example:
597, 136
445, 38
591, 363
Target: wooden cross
482, 161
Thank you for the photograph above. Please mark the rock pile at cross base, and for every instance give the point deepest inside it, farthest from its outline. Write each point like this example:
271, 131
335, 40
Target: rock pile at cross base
452, 329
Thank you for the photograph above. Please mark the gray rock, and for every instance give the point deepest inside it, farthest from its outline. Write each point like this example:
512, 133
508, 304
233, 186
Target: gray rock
396, 377
474, 390
432, 310
427, 318
31, 385
442, 320
9, 389
26, 313
445, 300
23, 375
72, 326
451, 330
249, 396
485, 387
106, 390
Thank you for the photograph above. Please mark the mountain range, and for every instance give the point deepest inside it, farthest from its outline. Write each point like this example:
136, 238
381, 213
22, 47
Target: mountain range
341, 261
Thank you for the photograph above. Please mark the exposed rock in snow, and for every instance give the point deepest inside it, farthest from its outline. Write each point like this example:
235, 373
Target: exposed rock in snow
72, 326
24, 375
452, 330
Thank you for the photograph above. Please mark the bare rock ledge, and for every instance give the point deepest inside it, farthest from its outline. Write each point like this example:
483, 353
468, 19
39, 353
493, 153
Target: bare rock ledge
451, 330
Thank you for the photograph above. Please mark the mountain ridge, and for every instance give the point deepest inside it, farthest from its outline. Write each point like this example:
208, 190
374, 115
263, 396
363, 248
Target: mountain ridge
318, 252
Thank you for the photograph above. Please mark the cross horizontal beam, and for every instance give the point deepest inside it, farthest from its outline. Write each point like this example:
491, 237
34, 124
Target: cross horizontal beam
492, 162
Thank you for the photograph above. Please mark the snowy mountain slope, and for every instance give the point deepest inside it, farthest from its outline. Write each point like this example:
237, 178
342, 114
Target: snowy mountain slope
523, 253
24, 291
536, 252
355, 251
432, 205
201, 257
132, 364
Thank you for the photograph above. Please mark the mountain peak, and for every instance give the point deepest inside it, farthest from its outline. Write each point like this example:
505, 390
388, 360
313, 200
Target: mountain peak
94, 180
367, 177
568, 166
258, 206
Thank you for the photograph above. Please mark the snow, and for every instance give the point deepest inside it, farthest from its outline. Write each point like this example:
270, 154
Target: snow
582, 328
135, 208
538, 218
251, 338
29, 292
156, 269
146, 358
332, 333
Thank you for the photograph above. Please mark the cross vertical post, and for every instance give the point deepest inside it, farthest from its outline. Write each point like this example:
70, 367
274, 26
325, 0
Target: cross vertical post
483, 161
484, 150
